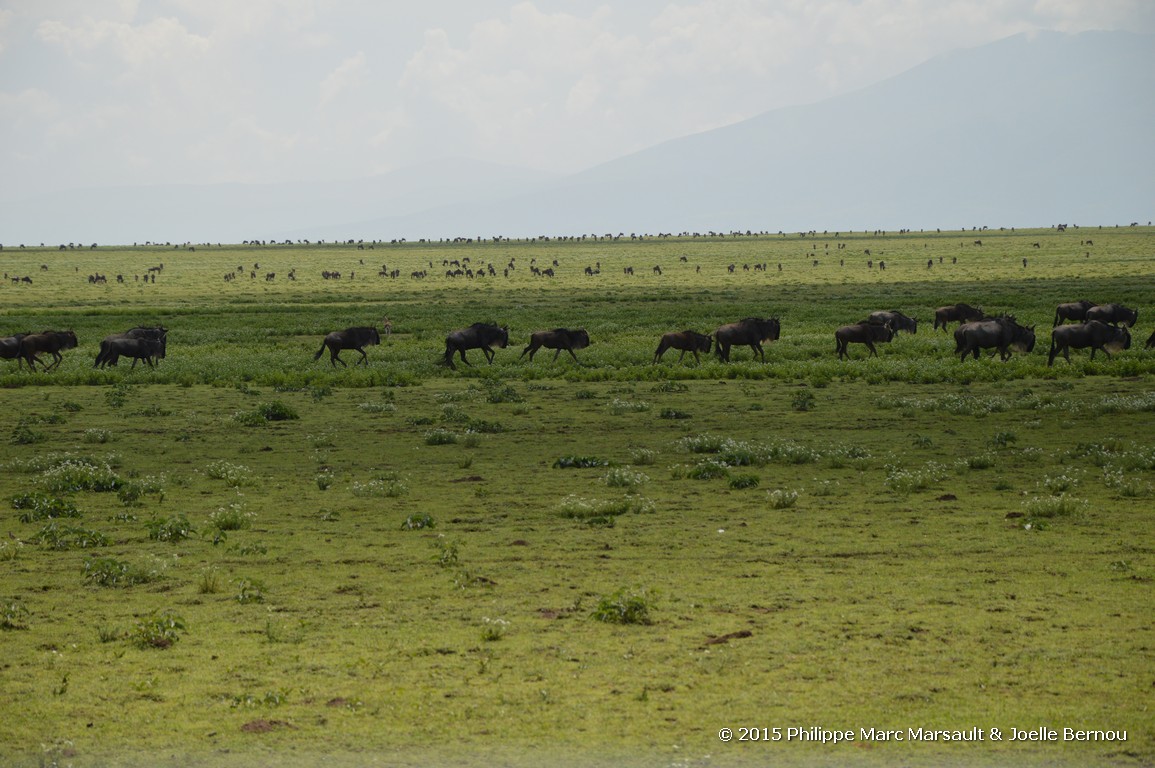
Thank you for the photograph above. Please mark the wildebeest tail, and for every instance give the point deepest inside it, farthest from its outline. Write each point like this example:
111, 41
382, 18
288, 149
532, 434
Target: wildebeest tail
319, 352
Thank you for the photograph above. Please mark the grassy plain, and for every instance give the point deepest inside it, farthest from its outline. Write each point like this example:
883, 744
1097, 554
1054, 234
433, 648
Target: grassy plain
895, 543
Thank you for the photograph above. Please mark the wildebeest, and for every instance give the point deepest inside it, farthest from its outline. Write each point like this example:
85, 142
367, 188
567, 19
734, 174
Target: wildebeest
1093, 333
1075, 311
1114, 314
48, 341
751, 332
1150, 341
115, 347
557, 339
357, 337
686, 341
895, 319
10, 348
999, 333
482, 336
861, 333
963, 313
104, 357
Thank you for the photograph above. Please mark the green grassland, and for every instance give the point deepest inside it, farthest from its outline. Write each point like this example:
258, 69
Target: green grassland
246, 556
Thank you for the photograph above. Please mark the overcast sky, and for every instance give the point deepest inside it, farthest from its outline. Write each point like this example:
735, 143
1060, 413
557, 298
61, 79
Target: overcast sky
111, 92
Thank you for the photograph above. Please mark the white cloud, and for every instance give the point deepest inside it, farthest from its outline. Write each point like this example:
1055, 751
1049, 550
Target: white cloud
127, 91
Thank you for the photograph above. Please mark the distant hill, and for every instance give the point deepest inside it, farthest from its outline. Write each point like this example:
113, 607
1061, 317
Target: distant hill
1029, 131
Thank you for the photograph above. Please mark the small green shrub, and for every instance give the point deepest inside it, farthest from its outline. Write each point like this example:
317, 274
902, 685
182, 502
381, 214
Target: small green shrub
159, 629
39, 506
624, 607
580, 462
99, 436
440, 437
172, 529
493, 630
23, 434
110, 572
803, 400
231, 518
710, 469
742, 482
234, 475
1046, 507
13, 615
56, 535
783, 498
250, 591
417, 522
624, 477
70, 476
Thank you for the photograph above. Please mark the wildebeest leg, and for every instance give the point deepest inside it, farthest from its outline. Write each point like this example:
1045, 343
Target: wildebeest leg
758, 349
335, 357
489, 354
364, 358
531, 349
571, 354
461, 354
870, 346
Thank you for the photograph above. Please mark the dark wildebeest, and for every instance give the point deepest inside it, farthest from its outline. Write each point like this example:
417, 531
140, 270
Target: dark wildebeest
1093, 334
1075, 311
750, 332
557, 339
157, 333
963, 313
1150, 341
895, 319
114, 348
999, 333
356, 338
1114, 314
10, 348
49, 341
861, 333
686, 341
483, 336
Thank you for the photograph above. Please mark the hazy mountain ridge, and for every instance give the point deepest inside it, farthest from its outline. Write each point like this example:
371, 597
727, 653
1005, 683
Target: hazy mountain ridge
1028, 131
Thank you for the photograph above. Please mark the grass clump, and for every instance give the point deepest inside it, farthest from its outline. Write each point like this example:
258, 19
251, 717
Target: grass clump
160, 629
110, 572
580, 462
624, 607
172, 529
40, 506
59, 536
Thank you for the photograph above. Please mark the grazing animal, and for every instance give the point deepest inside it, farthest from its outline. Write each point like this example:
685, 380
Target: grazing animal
1093, 333
1114, 314
51, 342
1001, 333
1150, 341
861, 333
156, 333
962, 313
895, 319
483, 336
557, 339
115, 347
751, 332
357, 337
686, 341
10, 348
1075, 311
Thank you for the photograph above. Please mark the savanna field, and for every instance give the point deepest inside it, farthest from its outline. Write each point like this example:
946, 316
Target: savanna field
248, 556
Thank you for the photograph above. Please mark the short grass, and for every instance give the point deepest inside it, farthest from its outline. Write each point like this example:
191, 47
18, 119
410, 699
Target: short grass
906, 546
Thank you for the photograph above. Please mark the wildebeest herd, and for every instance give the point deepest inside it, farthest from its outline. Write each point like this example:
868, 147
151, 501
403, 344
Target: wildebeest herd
1100, 327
